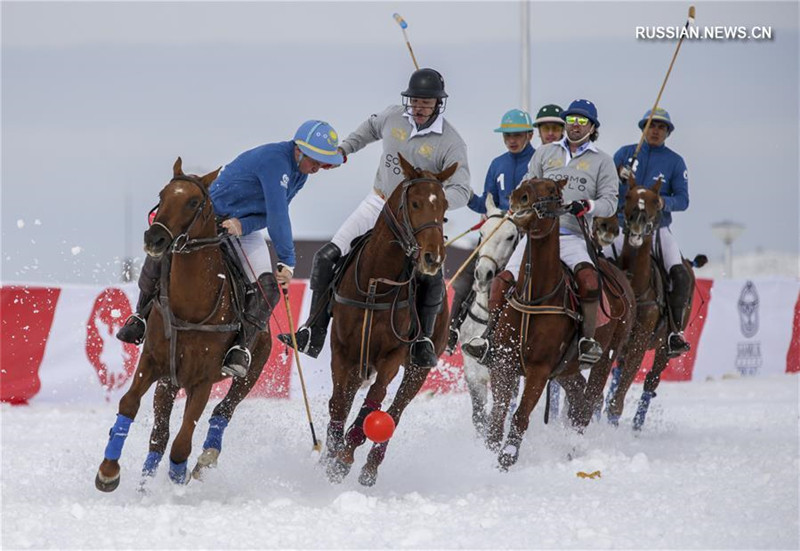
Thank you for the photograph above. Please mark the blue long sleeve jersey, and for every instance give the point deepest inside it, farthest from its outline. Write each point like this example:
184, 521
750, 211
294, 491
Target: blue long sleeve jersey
257, 187
504, 175
654, 163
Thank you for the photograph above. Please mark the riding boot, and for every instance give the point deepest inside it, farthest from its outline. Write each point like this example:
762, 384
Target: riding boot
311, 336
431, 293
258, 308
482, 348
589, 350
135, 326
678, 300
463, 297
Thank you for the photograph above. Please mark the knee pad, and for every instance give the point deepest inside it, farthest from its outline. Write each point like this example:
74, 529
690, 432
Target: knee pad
322, 268
272, 291
587, 280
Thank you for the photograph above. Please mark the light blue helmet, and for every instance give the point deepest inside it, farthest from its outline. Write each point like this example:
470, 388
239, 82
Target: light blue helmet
319, 140
515, 120
660, 115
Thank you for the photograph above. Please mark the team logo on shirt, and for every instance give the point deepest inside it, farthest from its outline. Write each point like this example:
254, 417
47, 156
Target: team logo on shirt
661, 177
399, 134
555, 163
582, 165
285, 181
426, 150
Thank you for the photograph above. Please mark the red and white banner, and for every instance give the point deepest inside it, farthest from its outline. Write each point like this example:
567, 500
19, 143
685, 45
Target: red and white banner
58, 343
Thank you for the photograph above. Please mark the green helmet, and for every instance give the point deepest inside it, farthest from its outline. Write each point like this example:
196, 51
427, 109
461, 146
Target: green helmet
515, 120
549, 113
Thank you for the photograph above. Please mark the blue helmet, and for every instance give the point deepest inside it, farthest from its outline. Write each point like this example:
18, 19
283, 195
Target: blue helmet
515, 120
660, 115
583, 108
319, 140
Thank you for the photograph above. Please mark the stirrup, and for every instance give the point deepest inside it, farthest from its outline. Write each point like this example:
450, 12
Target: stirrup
302, 336
136, 325
235, 369
589, 351
477, 348
680, 346
416, 354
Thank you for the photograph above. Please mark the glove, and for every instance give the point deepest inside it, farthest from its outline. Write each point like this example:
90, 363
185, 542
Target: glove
581, 207
625, 172
284, 275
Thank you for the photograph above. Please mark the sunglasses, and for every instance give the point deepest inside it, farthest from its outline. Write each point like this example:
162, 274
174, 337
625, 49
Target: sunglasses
574, 119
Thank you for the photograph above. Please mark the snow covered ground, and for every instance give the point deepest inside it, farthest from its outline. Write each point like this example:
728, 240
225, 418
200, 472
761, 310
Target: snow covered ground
716, 467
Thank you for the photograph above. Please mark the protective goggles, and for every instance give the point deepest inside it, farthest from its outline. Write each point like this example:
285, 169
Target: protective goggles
575, 119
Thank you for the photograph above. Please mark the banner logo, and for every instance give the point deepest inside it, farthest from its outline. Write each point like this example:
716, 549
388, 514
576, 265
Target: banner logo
748, 353
113, 360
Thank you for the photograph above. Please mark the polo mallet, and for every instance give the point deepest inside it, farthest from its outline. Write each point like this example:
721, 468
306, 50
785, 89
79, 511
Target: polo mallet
317, 445
285, 293
478, 248
463, 233
689, 21
403, 27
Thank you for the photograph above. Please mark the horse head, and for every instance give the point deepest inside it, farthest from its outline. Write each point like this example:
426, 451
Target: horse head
497, 249
183, 203
536, 205
416, 212
605, 230
642, 211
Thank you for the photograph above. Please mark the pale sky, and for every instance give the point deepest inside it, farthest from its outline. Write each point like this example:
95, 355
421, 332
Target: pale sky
98, 99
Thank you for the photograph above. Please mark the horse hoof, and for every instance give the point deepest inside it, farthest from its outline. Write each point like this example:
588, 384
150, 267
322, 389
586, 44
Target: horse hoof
337, 470
368, 477
106, 484
508, 457
207, 460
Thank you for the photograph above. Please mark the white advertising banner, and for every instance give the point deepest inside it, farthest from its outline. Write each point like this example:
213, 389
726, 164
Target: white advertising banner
748, 329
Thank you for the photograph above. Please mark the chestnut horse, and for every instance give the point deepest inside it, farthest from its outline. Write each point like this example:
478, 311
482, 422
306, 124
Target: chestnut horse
191, 326
642, 210
538, 326
374, 318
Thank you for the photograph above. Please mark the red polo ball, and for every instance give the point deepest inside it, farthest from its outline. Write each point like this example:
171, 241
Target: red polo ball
379, 426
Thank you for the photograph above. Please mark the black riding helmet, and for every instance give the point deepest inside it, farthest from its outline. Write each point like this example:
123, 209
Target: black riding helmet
425, 83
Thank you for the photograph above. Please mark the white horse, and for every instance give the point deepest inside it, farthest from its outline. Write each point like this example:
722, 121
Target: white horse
494, 255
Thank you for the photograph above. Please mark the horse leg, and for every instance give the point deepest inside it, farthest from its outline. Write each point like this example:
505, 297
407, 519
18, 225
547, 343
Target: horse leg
634, 353
345, 386
108, 475
535, 382
651, 382
413, 379
477, 377
593, 391
221, 416
504, 382
574, 386
163, 401
196, 400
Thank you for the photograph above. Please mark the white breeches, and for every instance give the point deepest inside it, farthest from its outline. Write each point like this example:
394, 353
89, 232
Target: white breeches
359, 222
669, 247
255, 249
573, 252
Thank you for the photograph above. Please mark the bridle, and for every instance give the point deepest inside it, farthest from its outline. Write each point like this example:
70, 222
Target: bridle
182, 244
640, 217
491, 258
546, 207
402, 229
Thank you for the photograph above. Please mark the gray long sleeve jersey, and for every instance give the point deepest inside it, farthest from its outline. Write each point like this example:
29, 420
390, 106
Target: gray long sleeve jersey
431, 150
590, 174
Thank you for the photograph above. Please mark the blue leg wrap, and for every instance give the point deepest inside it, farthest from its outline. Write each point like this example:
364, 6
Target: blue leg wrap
117, 436
177, 472
616, 373
555, 395
216, 428
613, 420
151, 464
641, 411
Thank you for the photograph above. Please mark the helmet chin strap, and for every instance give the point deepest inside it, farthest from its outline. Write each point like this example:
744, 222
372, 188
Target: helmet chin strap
582, 140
